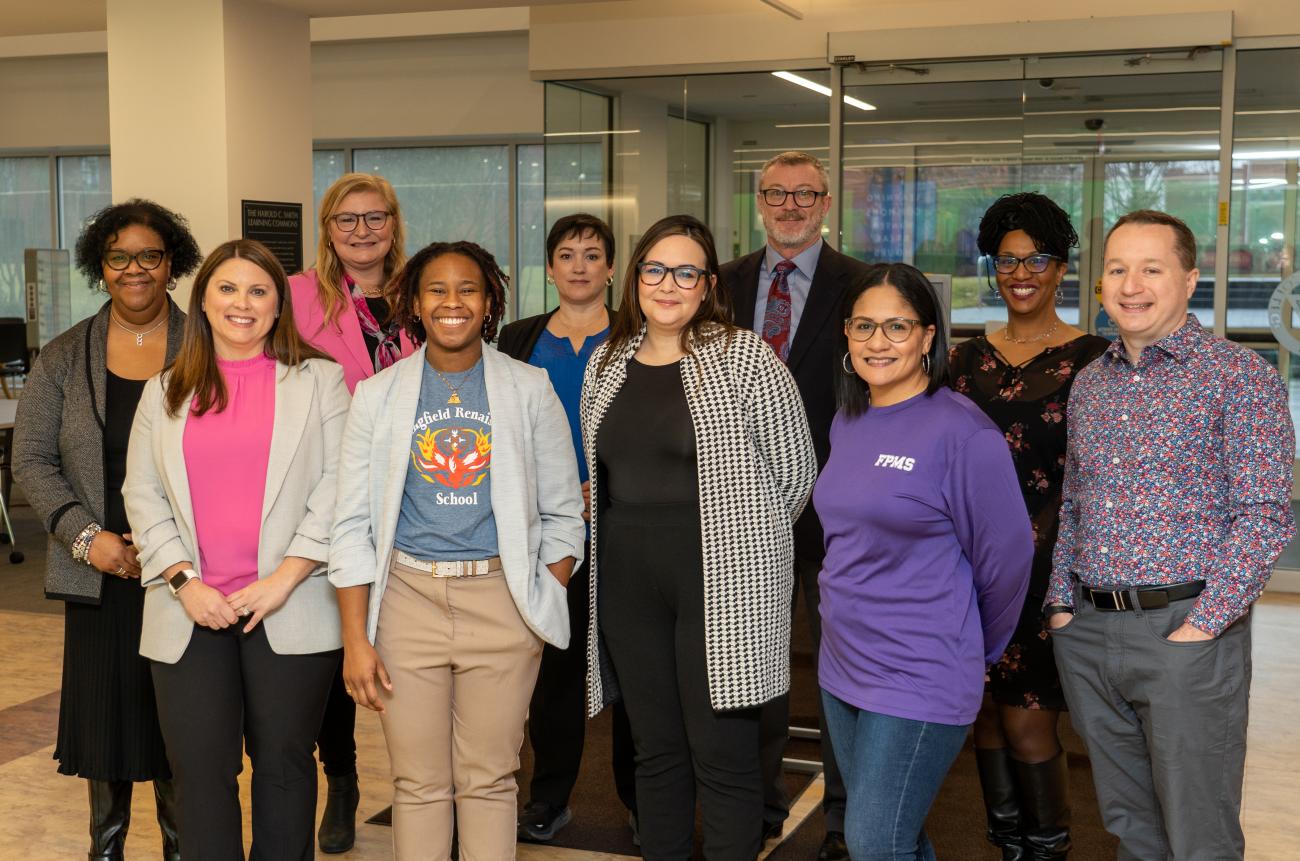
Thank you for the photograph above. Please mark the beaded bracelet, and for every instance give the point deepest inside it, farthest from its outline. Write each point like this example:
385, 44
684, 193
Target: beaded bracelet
81, 544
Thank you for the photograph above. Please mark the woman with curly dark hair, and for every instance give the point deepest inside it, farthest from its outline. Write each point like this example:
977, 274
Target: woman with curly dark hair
70, 441
451, 579
1020, 375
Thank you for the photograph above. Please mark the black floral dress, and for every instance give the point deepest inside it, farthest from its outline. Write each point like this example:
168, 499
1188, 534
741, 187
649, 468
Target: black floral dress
1027, 402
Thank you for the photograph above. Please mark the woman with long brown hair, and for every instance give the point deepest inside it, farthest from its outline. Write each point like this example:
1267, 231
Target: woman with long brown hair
700, 460
230, 493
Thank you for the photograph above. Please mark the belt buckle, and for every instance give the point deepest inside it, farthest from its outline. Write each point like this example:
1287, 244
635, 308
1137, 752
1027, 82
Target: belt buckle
1118, 599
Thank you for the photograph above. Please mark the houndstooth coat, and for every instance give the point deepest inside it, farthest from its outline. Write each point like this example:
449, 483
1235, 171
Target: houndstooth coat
756, 470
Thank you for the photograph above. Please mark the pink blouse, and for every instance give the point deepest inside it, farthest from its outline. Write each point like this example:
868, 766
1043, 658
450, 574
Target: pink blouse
226, 455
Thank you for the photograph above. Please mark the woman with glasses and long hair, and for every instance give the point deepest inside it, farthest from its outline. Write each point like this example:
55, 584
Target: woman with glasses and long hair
700, 460
342, 309
230, 492
927, 559
459, 522
1020, 376
580, 265
70, 442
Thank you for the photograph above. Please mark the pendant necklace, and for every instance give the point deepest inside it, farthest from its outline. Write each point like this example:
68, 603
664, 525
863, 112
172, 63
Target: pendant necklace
139, 336
455, 390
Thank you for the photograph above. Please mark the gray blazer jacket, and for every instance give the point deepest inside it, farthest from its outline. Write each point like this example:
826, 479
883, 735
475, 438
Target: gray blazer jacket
536, 496
58, 456
311, 405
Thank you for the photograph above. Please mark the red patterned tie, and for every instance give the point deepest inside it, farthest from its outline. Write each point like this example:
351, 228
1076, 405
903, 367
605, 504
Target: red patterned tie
776, 318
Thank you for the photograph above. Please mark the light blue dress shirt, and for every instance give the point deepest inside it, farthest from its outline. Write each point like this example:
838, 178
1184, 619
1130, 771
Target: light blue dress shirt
800, 281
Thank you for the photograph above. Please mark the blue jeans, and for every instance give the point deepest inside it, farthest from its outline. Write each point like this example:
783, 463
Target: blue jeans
893, 768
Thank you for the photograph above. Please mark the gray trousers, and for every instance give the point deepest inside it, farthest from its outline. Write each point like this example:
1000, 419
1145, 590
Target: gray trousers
1165, 727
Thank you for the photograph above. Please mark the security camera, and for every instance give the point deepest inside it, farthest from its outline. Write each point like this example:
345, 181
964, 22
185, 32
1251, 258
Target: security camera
1094, 124
1047, 83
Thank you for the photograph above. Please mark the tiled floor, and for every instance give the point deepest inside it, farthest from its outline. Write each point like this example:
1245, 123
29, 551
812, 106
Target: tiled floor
44, 814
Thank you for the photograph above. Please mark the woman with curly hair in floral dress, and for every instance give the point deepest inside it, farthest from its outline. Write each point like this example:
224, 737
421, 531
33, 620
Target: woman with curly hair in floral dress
1020, 376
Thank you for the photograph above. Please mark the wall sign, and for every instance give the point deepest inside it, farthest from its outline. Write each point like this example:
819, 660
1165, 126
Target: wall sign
1281, 307
278, 226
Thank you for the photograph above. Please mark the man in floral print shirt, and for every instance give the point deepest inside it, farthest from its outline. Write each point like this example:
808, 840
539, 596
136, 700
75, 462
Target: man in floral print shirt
1177, 502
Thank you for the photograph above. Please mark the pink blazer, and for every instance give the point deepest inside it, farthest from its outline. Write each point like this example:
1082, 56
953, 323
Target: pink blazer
342, 340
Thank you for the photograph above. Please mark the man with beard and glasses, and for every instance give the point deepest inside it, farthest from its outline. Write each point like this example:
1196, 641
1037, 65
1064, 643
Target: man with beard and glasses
788, 293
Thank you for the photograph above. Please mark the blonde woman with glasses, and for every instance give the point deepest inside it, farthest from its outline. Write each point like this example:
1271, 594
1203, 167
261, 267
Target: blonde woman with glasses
342, 309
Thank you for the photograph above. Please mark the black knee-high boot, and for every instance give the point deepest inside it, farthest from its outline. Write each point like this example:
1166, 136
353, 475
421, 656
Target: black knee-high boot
1001, 803
164, 796
110, 817
1045, 806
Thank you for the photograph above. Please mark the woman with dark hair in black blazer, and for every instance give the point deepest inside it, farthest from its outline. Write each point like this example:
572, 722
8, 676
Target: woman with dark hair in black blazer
580, 265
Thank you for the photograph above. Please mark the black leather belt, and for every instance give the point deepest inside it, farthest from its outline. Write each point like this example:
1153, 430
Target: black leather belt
1149, 597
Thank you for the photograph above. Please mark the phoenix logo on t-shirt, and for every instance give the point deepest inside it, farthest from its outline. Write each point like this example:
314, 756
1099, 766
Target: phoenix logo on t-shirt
452, 457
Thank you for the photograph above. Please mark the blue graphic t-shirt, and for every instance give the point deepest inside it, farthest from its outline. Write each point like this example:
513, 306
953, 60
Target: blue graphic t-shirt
447, 499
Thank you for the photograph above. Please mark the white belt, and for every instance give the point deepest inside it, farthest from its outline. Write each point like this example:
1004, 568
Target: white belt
475, 568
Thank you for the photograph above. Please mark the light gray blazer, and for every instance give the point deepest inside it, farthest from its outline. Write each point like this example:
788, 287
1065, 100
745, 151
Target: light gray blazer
536, 495
311, 404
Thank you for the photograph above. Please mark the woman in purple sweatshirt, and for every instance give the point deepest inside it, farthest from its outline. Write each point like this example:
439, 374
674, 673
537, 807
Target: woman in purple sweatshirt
928, 549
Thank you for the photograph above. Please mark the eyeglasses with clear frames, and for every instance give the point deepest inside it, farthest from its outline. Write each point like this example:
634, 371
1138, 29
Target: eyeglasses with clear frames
653, 273
119, 260
896, 329
1035, 263
348, 221
803, 197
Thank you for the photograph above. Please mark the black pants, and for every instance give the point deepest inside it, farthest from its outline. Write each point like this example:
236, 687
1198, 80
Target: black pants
652, 621
557, 717
776, 721
229, 689
336, 742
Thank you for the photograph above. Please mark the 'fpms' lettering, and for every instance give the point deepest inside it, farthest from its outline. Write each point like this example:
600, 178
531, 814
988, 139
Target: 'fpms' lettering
896, 461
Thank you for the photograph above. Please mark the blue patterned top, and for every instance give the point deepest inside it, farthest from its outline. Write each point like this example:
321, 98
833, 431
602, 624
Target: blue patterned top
1178, 469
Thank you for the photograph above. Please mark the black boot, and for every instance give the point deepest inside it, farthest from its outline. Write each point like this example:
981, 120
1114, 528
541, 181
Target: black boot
110, 817
1001, 805
164, 796
338, 825
1045, 802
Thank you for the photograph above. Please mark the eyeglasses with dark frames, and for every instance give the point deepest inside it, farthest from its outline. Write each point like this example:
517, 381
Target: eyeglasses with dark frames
1035, 263
653, 273
119, 260
803, 197
348, 221
896, 329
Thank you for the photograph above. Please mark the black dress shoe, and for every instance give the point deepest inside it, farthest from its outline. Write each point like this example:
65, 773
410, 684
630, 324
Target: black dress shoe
541, 821
338, 824
772, 830
833, 847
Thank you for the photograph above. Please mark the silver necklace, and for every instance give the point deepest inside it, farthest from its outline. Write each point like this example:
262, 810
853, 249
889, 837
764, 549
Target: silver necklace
139, 336
1033, 339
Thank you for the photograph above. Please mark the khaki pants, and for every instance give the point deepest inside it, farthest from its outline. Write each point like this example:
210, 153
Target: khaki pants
463, 665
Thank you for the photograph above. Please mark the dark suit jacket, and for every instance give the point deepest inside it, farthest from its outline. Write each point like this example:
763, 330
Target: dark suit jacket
815, 353
518, 339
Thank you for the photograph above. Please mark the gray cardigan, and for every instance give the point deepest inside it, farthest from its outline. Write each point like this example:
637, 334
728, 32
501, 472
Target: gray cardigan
58, 456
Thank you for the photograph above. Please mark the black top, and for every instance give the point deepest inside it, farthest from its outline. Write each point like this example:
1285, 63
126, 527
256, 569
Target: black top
645, 448
121, 398
1028, 403
379, 307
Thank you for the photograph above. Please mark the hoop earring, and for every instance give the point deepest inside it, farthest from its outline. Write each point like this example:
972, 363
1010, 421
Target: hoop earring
103, 288
925, 363
846, 364
609, 282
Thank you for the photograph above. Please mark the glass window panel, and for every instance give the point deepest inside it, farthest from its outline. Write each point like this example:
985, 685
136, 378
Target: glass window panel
448, 193
530, 294
327, 165
85, 187
688, 168
25, 203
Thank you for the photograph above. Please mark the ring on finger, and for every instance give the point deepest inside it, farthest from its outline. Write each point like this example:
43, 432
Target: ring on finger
121, 571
